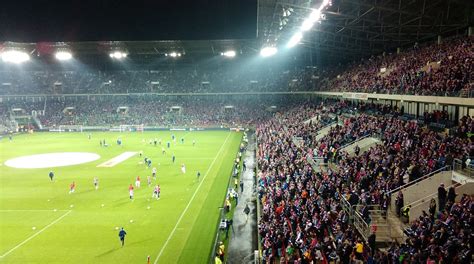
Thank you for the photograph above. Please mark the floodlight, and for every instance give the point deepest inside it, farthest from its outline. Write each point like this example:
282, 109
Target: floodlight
15, 56
295, 39
118, 55
268, 51
63, 55
173, 54
229, 53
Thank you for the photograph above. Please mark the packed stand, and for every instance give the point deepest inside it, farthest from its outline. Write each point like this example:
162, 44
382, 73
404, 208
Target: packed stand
301, 207
440, 236
197, 79
442, 70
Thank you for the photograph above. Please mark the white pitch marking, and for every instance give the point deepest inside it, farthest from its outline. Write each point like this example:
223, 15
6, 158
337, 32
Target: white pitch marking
31, 210
116, 160
35, 234
190, 201
50, 160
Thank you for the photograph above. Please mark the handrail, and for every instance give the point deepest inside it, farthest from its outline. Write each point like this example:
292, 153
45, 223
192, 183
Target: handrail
467, 171
354, 141
424, 199
445, 168
361, 225
326, 126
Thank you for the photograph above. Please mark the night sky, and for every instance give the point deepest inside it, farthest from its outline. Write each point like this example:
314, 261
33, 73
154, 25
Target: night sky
121, 20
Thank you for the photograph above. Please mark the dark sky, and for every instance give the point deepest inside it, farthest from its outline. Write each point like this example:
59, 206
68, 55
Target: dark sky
105, 20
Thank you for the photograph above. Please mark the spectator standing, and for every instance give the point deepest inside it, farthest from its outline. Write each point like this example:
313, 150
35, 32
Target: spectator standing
432, 209
451, 195
441, 197
399, 203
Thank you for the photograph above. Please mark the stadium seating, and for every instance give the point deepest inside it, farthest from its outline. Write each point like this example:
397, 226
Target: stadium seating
442, 70
302, 215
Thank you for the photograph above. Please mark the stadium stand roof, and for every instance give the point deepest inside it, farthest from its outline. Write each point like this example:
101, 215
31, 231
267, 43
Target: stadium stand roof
350, 29
357, 28
144, 47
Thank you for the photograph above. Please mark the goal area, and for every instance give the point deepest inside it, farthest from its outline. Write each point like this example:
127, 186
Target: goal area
68, 128
131, 128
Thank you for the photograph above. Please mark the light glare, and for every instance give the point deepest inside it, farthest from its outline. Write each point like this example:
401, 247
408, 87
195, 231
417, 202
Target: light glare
315, 15
63, 55
268, 51
118, 55
229, 53
295, 39
15, 56
307, 25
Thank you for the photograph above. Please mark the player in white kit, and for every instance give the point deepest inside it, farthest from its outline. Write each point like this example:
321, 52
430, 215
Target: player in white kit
137, 182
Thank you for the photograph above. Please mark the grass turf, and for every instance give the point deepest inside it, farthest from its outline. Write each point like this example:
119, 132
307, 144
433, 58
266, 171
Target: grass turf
86, 232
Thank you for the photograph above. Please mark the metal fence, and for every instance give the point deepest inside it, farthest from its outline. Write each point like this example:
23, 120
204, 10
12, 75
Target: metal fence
463, 168
445, 168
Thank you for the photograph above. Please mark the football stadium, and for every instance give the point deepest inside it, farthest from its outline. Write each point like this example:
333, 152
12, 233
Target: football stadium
259, 131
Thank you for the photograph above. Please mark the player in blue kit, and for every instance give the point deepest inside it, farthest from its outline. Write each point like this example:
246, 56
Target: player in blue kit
51, 175
122, 234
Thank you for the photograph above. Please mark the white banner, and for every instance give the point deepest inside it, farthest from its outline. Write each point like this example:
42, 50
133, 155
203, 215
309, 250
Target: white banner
356, 96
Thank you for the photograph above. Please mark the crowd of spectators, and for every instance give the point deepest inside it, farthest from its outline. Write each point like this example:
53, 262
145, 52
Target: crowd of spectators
141, 110
436, 69
215, 79
302, 219
443, 236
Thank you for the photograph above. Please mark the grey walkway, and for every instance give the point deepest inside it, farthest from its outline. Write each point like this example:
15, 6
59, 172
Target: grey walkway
324, 131
363, 144
244, 240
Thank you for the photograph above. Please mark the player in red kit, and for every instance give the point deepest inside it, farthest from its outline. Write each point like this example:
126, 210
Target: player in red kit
72, 187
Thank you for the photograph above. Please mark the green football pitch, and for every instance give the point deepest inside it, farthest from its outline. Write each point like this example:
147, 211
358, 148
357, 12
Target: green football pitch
40, 222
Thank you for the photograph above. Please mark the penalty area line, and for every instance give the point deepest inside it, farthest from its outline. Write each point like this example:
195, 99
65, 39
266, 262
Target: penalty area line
35, 234
118, 159
191, 200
